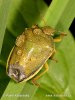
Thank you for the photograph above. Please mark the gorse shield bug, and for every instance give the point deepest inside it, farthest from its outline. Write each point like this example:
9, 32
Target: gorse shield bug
31, 51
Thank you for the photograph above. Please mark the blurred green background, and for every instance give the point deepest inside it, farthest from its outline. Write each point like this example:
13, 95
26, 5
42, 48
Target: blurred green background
59, 82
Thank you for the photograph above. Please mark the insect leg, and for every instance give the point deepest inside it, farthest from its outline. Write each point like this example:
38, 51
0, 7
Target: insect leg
52, 57
58, 37
37, 77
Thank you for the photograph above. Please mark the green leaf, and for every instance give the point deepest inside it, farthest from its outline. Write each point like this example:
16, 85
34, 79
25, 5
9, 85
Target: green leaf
4, 7
58, 82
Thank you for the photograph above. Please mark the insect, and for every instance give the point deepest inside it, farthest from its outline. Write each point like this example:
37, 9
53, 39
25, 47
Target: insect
31, 51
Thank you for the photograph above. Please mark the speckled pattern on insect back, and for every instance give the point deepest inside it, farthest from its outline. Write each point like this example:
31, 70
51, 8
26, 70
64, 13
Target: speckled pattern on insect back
32, 49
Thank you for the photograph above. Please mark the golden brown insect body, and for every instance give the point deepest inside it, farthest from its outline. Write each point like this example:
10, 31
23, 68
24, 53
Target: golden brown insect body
32, 49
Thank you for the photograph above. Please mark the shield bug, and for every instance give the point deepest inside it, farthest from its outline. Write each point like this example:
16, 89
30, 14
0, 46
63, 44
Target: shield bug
31, 51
